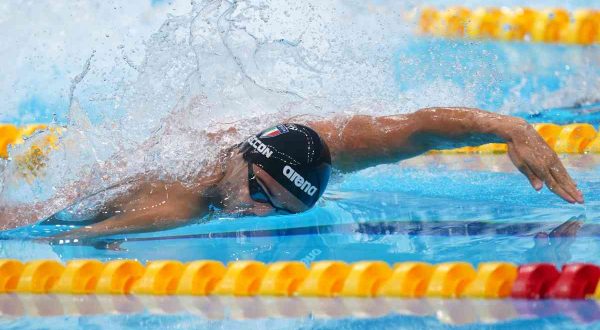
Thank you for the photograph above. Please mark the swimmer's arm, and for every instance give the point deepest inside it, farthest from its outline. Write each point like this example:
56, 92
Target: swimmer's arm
125, 224
361, 141
177, 212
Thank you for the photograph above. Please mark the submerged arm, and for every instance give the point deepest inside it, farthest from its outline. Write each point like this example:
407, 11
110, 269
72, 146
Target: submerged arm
360, 141
131, 223
155, 206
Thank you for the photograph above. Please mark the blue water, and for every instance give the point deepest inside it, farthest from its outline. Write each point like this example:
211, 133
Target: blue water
433, 208
294, 313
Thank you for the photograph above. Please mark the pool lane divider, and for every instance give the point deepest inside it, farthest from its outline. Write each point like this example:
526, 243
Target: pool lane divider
563, 139
364, 279
14, 135
549, 25
566, 139
32, 161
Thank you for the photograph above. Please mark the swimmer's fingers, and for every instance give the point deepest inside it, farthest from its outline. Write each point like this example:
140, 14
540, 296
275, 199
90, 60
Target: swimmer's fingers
551, 171
559, 174
542, 165
562, 177
566, 174
541, 171
534, 180
558, 180
556, 188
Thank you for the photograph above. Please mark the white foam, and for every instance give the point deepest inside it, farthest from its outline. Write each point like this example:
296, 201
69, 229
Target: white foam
156, 86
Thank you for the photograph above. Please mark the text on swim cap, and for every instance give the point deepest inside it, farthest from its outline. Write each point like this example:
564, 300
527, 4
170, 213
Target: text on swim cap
299, 181
259, 146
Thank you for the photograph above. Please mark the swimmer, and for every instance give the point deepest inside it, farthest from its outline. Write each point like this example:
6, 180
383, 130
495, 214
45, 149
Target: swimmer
285, 169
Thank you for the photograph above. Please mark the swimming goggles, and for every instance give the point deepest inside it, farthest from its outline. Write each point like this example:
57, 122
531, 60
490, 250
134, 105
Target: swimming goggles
258, 193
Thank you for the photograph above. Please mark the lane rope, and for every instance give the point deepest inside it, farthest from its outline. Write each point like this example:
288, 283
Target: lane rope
579, 138
549, 25
365, 279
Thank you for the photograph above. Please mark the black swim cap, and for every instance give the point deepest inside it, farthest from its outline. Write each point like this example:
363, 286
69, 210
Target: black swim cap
295, 156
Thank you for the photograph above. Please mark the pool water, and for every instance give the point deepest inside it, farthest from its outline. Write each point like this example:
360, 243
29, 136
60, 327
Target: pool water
125, 66
293, 313
433, 208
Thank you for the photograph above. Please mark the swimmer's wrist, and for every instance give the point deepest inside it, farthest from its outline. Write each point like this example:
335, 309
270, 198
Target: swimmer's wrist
511, 128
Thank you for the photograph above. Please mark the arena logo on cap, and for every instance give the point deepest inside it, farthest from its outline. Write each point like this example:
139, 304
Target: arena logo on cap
299, 181
274, 131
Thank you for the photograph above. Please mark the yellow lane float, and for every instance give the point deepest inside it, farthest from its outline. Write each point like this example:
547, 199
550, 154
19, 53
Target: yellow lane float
242, 278
119, 276
79, 277
39, 276
571, 139
325, 279
574, 138
409, 280
365, 278
549, 25
450, 279
493, 280
10, 272
283, 278
200, 277
160, 277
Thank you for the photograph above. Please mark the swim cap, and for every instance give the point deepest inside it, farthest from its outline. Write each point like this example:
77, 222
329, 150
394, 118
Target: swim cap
295, 156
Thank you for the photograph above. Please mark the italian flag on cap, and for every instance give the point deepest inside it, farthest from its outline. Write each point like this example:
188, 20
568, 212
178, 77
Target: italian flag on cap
273, 131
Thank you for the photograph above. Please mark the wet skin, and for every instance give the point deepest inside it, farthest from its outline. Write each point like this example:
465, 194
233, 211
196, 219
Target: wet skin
356, 142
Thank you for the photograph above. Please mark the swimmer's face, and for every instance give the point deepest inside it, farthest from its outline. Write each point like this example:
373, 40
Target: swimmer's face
238, 200
276, 195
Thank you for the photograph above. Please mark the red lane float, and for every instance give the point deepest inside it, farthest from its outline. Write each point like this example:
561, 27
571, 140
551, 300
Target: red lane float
576, 281
534, 280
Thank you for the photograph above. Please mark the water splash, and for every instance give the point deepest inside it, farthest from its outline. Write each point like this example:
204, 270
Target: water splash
243, 63
252, 63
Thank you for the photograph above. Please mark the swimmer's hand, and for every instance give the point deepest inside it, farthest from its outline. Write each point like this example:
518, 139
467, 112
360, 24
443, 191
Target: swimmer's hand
538, 162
